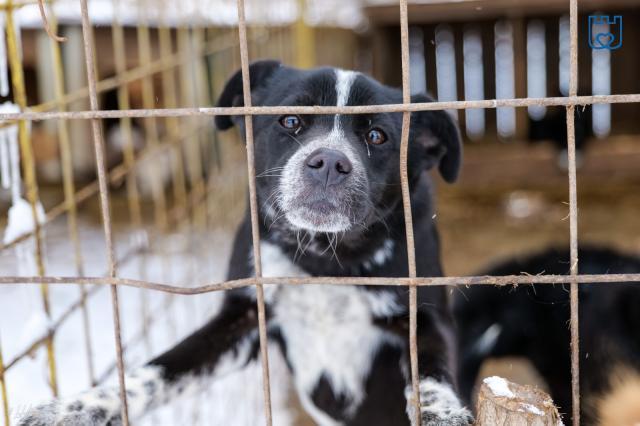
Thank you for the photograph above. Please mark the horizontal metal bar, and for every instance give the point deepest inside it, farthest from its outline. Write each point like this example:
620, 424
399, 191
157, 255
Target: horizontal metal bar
35, 344
328, 110
373, 281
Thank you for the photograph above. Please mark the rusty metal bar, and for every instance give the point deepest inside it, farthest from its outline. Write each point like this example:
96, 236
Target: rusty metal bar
253, 206
322, 110
408, 218
377, 281
87, 33
573, 214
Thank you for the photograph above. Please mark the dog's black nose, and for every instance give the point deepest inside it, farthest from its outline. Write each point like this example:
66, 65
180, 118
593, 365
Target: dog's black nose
328, 166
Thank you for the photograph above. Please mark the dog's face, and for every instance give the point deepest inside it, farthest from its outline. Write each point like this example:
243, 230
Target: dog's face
336, 173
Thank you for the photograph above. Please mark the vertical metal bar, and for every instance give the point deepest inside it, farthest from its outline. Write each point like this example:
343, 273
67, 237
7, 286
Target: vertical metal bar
3, 391
573, 214
69, 192
29, 170
408, 218
133, 195
253, 205
87, 35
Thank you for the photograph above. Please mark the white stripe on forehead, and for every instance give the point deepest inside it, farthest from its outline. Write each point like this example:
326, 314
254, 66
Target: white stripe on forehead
344, 80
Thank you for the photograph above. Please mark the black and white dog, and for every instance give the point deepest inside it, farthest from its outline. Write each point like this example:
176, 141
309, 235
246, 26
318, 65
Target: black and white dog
330, 205
531, 321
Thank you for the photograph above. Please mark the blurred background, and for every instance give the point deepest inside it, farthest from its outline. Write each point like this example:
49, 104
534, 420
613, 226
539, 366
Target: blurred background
178, 188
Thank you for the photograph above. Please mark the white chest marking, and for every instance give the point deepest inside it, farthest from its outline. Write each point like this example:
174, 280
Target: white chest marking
328, 331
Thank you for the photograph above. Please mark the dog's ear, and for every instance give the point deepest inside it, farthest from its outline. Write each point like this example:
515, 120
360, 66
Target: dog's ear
232, 95
437, 135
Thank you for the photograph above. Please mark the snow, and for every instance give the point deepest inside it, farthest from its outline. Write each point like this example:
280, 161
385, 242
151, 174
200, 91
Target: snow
532, 409
37, 325
499, 386
201, 12
179, 259
21, 220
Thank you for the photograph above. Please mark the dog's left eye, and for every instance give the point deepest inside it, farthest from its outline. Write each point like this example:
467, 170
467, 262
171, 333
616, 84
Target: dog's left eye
291, 122
376, 137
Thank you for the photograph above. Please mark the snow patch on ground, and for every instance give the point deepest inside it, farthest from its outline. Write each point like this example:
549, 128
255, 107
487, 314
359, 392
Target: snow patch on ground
21, 220
499, 386
180, 259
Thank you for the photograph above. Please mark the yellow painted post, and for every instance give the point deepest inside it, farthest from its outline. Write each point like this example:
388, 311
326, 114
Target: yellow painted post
305, 40
69, 191
188, 87
3, 391
133, 195
29, 171
151, 124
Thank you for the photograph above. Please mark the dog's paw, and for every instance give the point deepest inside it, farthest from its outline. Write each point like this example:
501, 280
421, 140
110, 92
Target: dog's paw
439, 405
71, 413
446, 417
40, 416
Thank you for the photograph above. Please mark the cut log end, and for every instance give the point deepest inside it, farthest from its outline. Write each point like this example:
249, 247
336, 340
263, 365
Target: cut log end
501, 402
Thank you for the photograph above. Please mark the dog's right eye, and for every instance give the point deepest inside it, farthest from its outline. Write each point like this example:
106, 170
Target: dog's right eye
291, 122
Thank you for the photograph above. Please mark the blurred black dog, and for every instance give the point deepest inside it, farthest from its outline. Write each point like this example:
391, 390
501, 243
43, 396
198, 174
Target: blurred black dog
532, 321
330, 205
553, 128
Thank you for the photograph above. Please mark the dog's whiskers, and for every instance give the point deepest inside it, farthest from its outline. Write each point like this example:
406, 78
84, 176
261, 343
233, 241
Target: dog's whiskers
271, 172
294, 138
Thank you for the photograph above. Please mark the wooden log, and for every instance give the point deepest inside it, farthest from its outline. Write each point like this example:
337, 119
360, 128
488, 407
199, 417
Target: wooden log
501, 402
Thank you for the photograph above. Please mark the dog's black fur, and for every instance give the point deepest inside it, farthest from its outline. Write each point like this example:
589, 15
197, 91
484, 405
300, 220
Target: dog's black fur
532, 321
348, 222
553, 128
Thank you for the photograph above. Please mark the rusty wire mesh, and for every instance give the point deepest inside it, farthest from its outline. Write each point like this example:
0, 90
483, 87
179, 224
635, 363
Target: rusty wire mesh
56, 110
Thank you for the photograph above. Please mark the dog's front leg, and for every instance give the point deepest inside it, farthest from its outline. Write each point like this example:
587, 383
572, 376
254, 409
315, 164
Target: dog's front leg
439, 404
224, 344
